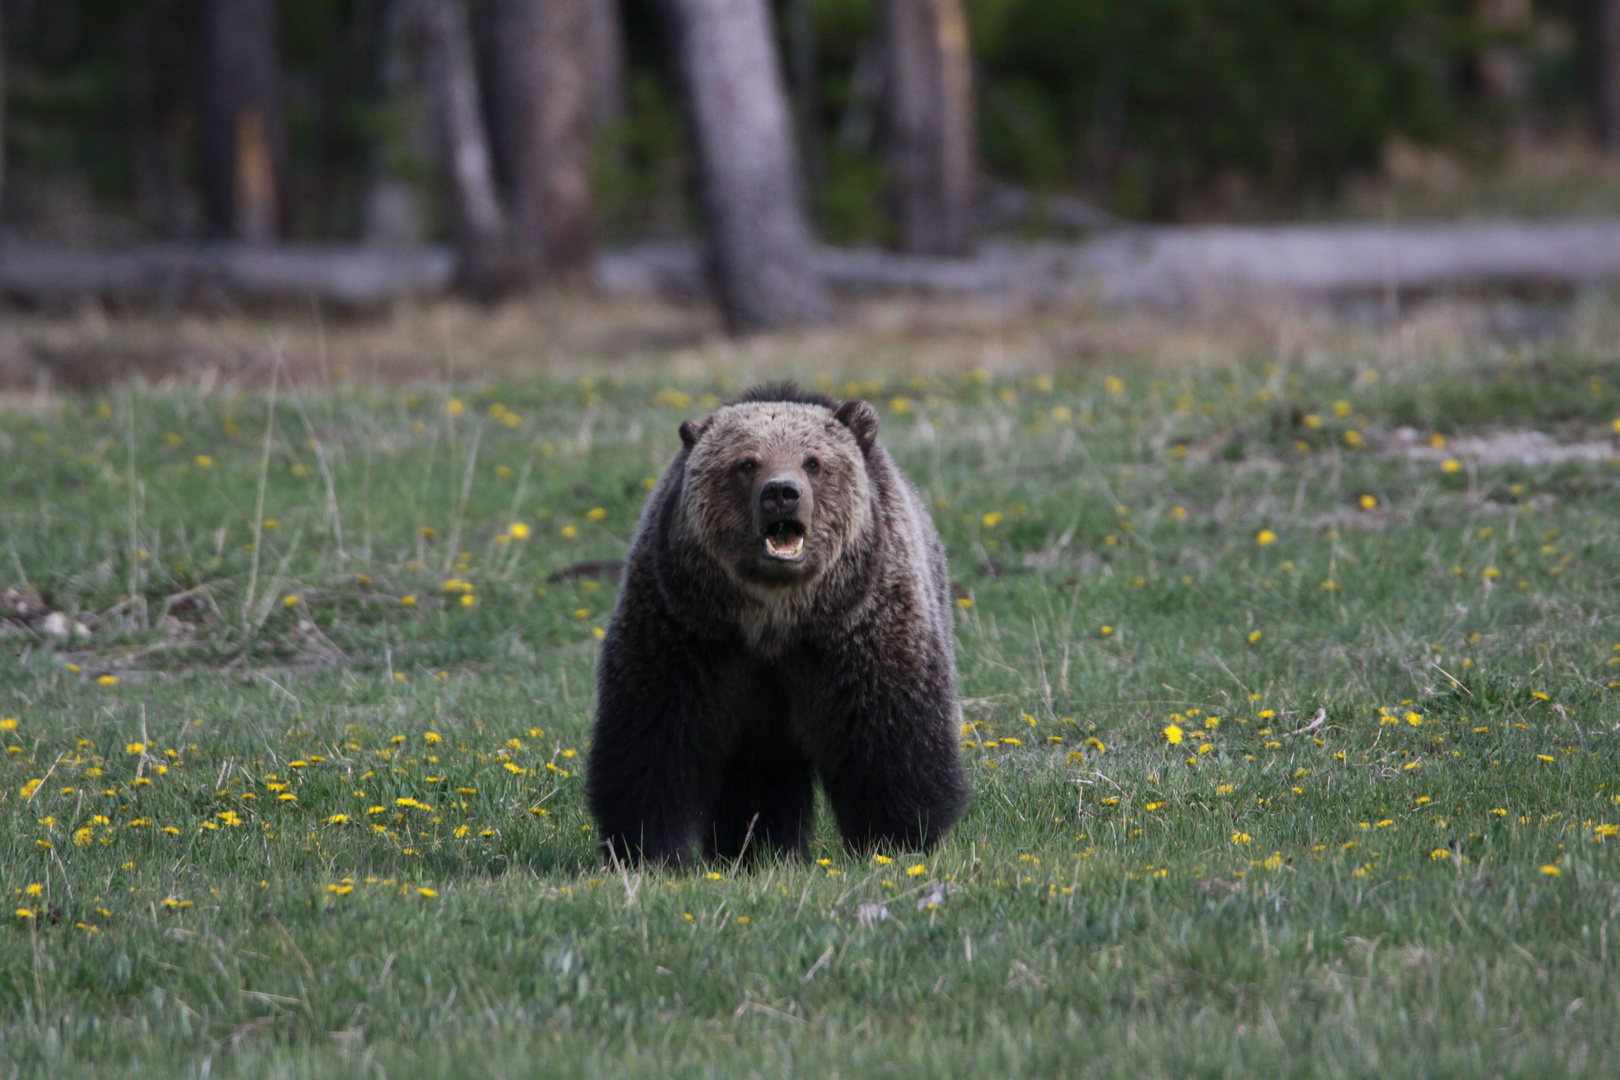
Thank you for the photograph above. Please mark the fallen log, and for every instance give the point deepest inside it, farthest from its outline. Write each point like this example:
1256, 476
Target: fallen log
1156, 266
182, 274
1173, 265
1176, 265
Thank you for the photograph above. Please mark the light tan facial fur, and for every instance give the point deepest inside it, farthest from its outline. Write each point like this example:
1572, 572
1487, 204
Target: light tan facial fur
718, 514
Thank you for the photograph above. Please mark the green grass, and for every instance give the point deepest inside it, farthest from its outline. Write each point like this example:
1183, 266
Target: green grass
1427, 892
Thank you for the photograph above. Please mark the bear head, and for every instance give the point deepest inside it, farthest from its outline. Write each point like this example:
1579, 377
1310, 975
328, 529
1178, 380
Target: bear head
776, 489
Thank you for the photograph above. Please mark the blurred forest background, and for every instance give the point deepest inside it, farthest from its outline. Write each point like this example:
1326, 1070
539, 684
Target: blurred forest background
536, 130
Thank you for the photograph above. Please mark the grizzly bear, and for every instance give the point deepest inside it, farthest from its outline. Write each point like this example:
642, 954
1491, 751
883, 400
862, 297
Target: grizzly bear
784, 617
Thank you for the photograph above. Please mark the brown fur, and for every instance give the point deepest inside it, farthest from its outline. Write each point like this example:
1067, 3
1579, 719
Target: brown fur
729, 677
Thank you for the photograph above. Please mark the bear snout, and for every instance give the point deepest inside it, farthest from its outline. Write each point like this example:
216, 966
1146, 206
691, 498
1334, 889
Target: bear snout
780, 497
783, 507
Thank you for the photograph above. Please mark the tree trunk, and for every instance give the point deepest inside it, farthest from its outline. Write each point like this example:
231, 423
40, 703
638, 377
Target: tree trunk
540, 53
801, 50
604, 36
1504, 66
750, 190
2, 110
475, 209
244, 147
1608, 50
928, 125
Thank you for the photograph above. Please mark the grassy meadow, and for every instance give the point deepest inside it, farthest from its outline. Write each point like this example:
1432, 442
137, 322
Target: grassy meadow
1290, 686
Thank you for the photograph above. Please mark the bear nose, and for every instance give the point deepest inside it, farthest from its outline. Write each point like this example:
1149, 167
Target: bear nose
779, 496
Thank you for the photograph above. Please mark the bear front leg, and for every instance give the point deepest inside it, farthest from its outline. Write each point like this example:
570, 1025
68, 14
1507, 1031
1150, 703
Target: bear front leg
653, 767
766, 803
890, 762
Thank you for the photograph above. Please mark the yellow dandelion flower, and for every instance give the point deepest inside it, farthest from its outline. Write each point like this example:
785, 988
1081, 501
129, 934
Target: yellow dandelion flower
1254, 637
519, 531
1551, 871
1264, 537
8, 724
290, 600
1440, 853
569, 532
916, 871
108, 680
992, 519
596, 513
1368, 502
1450, 465
1241, 838
1173, 735
1105, 631
426, 892
1353, 439
135, 748
203, 461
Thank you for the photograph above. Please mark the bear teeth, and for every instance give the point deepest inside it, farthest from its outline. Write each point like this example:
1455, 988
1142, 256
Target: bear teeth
783, 543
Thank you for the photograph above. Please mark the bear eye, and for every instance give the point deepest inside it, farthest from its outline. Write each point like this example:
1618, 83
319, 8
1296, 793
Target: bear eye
747, 466
812, 465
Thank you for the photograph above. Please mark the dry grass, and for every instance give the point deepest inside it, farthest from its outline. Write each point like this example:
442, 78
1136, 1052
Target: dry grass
571, 336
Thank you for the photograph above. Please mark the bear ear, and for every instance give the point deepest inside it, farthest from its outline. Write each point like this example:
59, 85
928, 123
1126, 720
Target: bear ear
691, 433
861, 419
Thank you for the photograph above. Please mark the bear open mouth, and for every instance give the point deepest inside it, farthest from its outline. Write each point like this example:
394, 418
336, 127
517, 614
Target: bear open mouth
784, 541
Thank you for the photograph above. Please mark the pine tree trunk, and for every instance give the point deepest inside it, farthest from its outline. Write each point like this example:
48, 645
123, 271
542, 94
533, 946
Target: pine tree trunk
540, 53
748, 174
801, 50
604, 34
452, 78
1608, 50
243, 134
928, 125
2, 109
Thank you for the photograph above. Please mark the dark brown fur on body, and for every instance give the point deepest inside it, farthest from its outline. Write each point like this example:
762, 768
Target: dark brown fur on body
736, 671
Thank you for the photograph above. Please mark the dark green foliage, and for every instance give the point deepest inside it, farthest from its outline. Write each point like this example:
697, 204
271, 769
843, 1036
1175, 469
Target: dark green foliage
1151, 100
1154, 108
